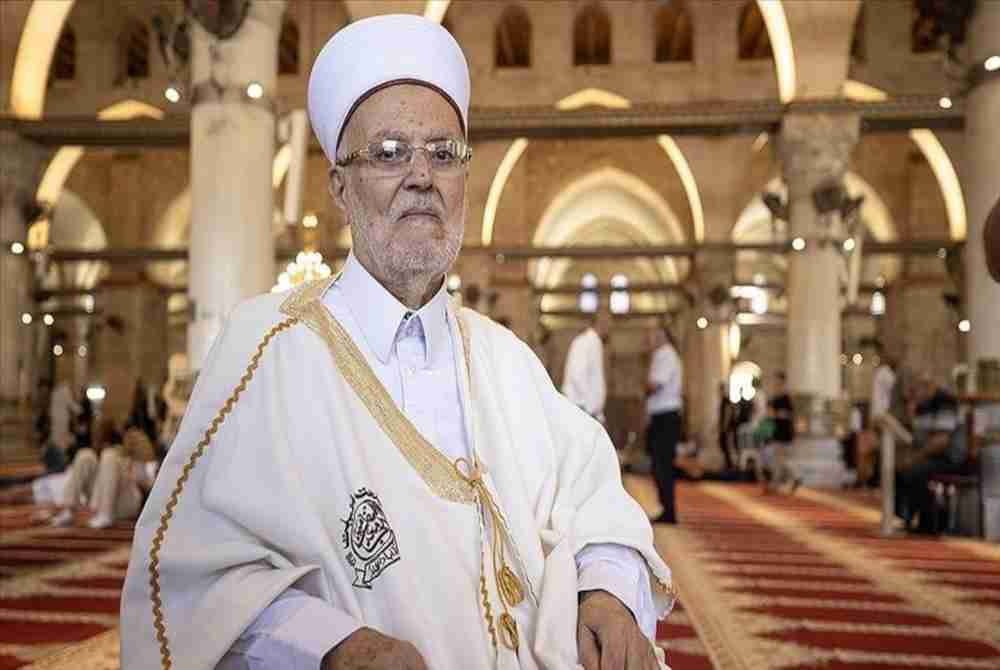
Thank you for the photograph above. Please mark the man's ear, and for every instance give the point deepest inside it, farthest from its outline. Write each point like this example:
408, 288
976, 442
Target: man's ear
337, 186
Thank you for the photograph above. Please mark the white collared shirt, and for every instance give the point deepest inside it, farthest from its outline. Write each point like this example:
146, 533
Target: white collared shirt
665, 373
412, 354
583, 378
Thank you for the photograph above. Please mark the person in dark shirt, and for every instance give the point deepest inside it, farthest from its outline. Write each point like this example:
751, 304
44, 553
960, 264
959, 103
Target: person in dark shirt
781, 412
940, 447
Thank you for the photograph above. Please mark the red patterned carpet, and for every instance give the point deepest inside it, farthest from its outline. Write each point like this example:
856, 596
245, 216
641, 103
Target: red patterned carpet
773, 582
58, 586
766, 583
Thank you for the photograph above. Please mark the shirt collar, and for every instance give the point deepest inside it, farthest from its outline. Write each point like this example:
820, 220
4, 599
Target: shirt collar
380, 314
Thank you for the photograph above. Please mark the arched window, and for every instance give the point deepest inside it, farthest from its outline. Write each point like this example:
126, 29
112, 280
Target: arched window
288, 48
135, 51
620, 302
925, 31
755, 43
588, 300
592, 37
64, 59
674, 36
858, 54
878, 303
513, 38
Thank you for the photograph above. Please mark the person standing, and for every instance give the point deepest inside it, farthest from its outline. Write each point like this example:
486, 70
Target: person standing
583, 380
781, 412
726, 424
664, 406
62, 409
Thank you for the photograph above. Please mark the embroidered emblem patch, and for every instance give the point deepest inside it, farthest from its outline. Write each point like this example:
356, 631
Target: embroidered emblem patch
369, 540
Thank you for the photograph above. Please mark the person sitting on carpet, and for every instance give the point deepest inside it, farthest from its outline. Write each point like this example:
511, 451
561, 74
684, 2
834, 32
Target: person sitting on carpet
110, 479
941, 448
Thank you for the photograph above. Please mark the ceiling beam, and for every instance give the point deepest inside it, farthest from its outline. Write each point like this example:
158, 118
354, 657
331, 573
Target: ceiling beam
525, 252
493, 123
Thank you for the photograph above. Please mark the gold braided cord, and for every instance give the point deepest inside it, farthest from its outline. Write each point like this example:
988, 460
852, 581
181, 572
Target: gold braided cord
508, 585
168, 513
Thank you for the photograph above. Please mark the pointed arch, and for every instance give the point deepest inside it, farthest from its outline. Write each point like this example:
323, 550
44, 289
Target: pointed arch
937, 157
926, 32
674, 33
134, 51
605, 197
592, 36
512, 41
62, 164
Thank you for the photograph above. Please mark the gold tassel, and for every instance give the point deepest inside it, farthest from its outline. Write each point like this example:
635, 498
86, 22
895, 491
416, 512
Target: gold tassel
508, 631
509, 586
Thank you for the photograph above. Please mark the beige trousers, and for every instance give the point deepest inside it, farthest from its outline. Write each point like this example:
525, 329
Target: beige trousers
106, 483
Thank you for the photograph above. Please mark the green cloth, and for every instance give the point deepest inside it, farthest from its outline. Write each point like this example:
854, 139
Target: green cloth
764, 430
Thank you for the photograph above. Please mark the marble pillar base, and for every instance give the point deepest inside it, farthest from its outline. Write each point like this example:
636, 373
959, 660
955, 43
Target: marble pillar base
818, 461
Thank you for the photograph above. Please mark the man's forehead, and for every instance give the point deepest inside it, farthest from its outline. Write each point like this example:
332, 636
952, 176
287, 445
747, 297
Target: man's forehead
406, 110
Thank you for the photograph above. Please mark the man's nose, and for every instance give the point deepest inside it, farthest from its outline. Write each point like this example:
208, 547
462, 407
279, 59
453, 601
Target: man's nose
420, 175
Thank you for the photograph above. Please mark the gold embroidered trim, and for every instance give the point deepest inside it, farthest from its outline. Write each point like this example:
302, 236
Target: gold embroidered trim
168, 513
432, 466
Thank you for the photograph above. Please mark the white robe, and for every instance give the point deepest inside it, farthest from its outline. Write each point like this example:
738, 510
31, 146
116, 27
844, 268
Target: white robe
283, 476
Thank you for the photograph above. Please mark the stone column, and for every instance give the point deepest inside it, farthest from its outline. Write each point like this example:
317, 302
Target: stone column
20, 167
814, 151
982, 147
713, 360
232, 148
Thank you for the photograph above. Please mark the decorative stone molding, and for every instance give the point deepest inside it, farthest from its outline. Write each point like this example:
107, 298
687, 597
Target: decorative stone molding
816, 147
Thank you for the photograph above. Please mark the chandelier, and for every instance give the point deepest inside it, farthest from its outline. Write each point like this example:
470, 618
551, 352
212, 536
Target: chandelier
308, 264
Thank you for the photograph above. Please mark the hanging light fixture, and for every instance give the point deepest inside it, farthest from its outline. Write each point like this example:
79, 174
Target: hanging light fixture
308, 264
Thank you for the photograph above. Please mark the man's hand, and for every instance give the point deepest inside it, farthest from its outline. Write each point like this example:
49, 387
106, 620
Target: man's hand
367, 649
608, 636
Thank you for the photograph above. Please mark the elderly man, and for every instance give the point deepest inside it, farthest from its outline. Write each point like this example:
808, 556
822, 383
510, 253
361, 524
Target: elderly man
368, 476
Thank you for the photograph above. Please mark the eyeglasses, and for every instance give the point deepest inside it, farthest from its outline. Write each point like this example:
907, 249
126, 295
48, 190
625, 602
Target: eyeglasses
393, 157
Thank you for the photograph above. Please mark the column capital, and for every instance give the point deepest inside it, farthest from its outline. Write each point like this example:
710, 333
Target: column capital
21, 163
715, 277
816, 147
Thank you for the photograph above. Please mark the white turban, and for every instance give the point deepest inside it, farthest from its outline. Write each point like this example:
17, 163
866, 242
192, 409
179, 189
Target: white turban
368, 54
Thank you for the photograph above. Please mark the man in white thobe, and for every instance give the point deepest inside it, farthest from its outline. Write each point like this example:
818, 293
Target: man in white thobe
583, 378
368, 476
